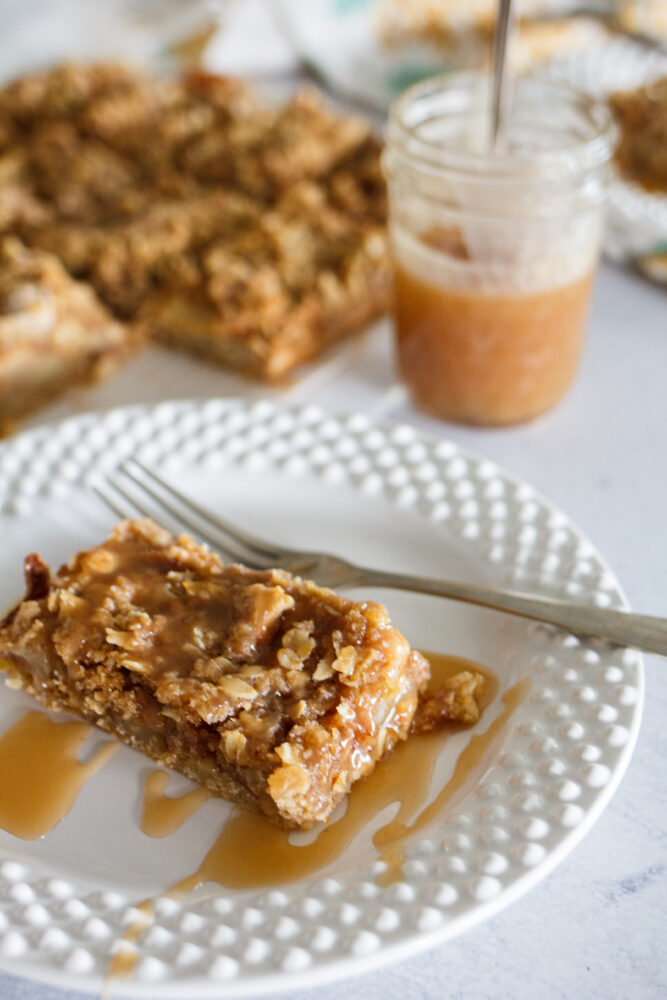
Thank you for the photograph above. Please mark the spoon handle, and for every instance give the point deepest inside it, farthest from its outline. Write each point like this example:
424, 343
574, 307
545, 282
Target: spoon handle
500, 98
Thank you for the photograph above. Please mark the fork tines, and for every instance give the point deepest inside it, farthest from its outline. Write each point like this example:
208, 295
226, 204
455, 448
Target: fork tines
136, 491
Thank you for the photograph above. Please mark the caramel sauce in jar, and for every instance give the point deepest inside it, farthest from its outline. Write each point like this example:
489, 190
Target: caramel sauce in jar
484, 357
495, 244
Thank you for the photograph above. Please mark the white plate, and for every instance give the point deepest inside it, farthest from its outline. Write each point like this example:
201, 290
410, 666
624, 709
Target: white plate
636, 219
382, 495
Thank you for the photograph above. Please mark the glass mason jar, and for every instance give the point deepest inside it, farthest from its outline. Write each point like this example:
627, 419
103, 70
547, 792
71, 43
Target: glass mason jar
494, 250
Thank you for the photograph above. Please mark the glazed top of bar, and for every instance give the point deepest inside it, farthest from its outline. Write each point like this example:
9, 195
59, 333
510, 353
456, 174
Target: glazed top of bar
215, 643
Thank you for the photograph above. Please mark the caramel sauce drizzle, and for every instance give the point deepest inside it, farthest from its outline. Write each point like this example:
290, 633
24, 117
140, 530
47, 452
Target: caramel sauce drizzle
41, 777
40, 773
251, 854
163, 814
123, 962
390, 839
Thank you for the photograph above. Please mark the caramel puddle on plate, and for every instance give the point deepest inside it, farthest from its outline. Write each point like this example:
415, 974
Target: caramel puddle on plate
40, 773
163, 814
249, 853
123, 962
390, 839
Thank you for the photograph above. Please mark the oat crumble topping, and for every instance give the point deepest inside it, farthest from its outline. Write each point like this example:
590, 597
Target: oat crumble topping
267, 689
251, 234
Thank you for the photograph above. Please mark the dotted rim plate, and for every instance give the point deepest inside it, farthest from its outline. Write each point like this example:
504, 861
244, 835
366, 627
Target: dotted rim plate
563, 755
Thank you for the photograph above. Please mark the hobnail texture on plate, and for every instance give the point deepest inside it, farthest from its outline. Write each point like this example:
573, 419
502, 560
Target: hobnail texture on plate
564, 752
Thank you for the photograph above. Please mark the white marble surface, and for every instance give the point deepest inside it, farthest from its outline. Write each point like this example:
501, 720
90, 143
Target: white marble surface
597, 927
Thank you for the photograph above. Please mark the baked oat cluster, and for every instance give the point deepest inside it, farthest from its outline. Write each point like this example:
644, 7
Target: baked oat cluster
253, 235
263, 687
641, 116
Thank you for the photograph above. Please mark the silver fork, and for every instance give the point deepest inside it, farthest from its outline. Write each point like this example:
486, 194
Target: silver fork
137, 490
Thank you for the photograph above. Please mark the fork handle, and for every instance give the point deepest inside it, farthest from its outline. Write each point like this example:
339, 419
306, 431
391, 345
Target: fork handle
621, 627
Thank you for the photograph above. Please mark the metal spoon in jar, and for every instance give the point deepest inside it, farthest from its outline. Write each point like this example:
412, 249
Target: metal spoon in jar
501, 97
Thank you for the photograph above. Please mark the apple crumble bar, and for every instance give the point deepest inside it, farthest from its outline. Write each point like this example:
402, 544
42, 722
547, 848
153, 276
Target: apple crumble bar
250, 234
54, 332
274, 290
641, 116
263, 687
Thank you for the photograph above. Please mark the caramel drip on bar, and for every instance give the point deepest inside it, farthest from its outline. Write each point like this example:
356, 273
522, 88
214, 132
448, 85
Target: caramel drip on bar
163, 814
40, 774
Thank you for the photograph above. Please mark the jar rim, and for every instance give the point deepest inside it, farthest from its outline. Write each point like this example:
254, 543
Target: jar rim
590, 152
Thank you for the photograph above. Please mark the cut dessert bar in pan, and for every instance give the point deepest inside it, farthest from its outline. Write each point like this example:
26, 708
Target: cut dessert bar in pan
54, 332
267, 689
248, 233
274, 289
641, 117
